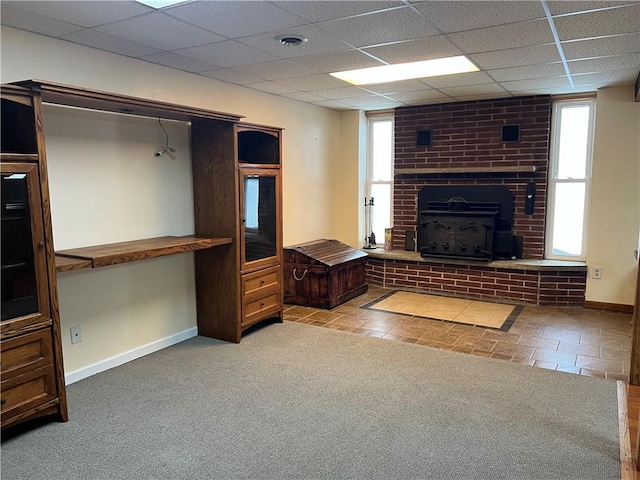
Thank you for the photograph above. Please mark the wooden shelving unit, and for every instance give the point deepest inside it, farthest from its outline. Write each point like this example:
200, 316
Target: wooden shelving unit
438, 171
124, 252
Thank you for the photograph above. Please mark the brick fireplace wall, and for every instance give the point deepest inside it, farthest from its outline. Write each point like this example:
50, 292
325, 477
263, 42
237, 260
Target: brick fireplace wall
468, 134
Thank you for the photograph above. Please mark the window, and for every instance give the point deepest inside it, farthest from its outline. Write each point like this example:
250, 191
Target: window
380, 173
569, 181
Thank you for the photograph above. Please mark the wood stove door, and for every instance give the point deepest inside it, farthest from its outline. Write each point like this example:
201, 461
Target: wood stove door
466, 235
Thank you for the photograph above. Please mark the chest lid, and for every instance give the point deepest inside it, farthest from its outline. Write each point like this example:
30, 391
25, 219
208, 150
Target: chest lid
322, 252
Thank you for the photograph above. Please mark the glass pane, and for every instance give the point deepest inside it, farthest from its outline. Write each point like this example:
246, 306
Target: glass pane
251, 202
568, 217
260, 217
381, 193
573, 141
382, 152
19, 288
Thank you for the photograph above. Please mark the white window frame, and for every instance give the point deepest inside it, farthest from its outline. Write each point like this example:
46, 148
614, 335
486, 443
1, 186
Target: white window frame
373, 117
554, 180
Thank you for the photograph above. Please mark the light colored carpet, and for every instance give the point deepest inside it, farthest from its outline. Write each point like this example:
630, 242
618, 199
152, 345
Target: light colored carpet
295, 401
470, 312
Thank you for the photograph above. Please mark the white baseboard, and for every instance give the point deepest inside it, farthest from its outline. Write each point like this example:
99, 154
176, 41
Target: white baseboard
125, 357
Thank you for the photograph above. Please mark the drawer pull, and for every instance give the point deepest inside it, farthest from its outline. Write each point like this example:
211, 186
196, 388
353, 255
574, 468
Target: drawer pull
261, 282
303, 274
3, 401
261, 306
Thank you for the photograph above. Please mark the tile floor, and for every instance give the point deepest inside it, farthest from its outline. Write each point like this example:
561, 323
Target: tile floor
577, 340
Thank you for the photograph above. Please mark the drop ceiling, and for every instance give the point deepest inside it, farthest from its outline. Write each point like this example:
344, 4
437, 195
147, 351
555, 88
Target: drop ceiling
520, 47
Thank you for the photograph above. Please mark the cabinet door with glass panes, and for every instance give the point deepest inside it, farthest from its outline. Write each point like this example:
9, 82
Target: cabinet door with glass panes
24, 274
261, 223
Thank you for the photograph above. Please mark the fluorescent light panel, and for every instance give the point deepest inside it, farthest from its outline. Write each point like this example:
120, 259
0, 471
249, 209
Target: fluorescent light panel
406, 71
157, 4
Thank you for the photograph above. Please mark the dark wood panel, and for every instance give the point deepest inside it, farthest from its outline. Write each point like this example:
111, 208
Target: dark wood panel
24, 392
215, 188
26, 352
112, 102
19, 157
124, 252
52, 284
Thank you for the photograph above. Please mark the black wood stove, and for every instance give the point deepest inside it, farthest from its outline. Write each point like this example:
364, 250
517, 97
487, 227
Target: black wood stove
466, 221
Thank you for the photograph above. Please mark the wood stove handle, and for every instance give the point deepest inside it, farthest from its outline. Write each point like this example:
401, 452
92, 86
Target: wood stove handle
303, 274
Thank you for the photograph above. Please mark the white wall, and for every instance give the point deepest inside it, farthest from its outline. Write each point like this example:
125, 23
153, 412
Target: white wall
614, 217
106, 186
348, 180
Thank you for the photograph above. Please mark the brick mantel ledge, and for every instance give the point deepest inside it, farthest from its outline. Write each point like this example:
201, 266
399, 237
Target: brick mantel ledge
517, 264
525, 281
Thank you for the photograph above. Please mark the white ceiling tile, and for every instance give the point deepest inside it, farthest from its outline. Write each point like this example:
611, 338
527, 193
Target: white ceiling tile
271, 87
318, 42
226, 54
17, 18
487, 96
459, 80
539, 83
333, 104
568, 6
330, 10
372, 103
232, 75
467, 15
535, 32
304, 97
601, 47
605, 64
342, 92
395, 87
568, 90
418, 96
235, 19
379, 28
530, 71
618, 77
102, 41
160, 30
178, 62
313, 82
339, 61
599, 23
427, 48
429, 101
516, 57
473, 90
86, 14
276, 70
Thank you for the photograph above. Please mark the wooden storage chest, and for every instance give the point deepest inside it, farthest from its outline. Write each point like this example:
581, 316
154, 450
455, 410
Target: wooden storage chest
323, 273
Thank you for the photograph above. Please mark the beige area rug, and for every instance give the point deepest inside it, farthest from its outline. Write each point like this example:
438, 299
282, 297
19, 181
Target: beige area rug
469, 312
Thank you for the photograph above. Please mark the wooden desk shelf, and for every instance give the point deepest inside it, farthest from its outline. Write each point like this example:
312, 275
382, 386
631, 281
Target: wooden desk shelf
66, 264
124, 252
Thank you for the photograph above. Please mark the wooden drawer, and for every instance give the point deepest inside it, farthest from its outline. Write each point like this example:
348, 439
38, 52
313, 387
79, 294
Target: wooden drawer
26, 353
256, 284
260, 308
24, 392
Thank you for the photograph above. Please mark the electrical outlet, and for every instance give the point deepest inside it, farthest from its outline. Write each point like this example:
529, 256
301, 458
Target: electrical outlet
76, 334
596, 273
